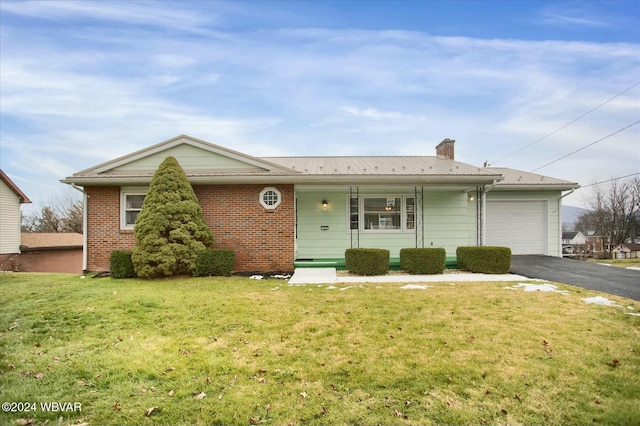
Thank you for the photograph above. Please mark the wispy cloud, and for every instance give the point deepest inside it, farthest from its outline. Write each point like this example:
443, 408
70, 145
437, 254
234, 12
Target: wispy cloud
139, 12
558, 19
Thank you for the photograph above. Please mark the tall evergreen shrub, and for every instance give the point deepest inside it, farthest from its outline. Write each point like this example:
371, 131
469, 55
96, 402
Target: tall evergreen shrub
170, 230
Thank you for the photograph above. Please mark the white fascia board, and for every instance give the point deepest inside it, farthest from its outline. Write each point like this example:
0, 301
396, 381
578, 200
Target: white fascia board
444, 181
537, 187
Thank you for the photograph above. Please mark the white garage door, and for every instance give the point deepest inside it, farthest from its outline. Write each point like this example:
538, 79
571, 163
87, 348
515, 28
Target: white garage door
519, 225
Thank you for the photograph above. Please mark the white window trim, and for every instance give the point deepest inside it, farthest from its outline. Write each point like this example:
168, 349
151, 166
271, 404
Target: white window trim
403, 214
264, 191
124, 192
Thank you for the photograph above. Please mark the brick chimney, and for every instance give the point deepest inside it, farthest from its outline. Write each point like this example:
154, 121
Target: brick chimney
444, 149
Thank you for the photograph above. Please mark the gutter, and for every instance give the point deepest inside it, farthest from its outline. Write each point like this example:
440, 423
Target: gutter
560, 215
483, 212
294, 179
85, 225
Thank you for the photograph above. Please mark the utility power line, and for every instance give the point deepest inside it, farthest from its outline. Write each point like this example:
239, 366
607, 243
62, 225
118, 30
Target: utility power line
568, 124
586, 146
610, 180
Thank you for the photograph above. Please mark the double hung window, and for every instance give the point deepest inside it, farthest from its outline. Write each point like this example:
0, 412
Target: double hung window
130, 206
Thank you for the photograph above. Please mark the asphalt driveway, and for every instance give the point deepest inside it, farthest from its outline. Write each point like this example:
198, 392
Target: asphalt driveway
608, 279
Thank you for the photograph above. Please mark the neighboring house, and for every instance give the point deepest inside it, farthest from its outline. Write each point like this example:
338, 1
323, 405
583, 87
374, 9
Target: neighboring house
50, 252
595, 244
281, 212
574, 243
626, 251
11, 197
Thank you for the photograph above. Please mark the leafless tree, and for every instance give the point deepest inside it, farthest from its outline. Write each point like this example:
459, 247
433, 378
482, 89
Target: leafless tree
63, 214
614, 212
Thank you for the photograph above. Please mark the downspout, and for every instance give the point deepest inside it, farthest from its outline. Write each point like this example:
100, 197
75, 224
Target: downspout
483, 208
85, 225
560, 221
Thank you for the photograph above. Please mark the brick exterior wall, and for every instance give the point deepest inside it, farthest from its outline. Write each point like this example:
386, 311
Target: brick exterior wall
263, 240
103, 227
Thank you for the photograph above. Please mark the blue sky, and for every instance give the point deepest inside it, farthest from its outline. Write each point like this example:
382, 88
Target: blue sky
83, 82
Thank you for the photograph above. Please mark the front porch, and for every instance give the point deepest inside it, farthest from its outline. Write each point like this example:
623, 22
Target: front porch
339, 263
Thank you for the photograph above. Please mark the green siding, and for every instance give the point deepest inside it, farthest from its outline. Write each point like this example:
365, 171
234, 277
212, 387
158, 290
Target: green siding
312, 242
189, 157
445, 223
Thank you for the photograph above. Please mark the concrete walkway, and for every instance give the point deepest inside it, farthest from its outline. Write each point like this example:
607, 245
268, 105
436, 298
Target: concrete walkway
330, 276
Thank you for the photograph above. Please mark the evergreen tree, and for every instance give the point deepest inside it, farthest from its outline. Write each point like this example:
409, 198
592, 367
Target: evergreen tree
170, 229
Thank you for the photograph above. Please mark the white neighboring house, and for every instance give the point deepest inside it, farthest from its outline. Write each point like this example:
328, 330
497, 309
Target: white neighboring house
573, 243
11, 197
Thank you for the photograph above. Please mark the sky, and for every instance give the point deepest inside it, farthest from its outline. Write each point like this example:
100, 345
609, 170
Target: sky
516, 84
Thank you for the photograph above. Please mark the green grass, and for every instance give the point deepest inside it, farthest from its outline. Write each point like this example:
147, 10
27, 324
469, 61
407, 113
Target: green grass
621, 263
264, 352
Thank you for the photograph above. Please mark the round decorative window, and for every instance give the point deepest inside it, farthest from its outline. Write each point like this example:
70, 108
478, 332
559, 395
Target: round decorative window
270, 198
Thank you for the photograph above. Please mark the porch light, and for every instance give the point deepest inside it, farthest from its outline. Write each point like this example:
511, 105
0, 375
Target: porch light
388, 208
472, 198
324, 204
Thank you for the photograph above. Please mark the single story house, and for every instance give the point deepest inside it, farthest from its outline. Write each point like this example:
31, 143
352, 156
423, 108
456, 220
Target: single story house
51, 252
282, 212
11, 198
626, 251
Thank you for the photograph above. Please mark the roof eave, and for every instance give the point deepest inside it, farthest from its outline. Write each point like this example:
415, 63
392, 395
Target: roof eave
537, 187
50, 248
292, 179
14, 188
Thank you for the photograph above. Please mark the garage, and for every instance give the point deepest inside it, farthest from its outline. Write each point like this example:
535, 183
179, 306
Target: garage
519, 225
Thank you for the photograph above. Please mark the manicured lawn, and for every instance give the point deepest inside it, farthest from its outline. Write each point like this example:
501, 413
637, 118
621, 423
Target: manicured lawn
621, 263
241, 351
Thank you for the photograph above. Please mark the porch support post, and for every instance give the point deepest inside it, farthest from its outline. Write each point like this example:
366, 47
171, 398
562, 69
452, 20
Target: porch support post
354, 216
480, 215
419, 212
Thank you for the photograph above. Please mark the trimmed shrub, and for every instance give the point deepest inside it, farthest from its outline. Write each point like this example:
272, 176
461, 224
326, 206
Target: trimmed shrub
367, 261
484, 259
423, 260
121, 265
214, 262
170, 229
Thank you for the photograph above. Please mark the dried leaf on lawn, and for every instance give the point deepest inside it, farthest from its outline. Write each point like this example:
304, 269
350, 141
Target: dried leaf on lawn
201, 395
150, 411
